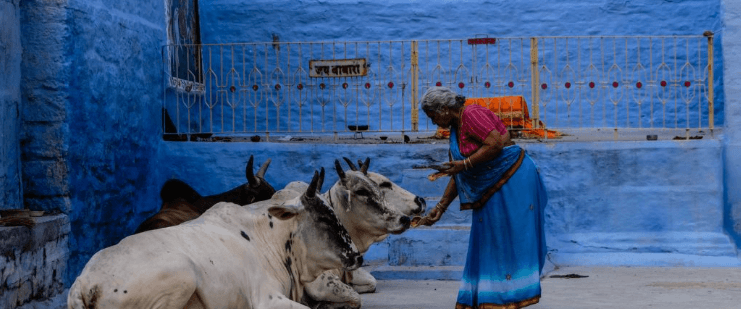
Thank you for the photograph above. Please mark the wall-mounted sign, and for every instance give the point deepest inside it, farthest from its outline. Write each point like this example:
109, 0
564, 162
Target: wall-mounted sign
338, 68
479, 41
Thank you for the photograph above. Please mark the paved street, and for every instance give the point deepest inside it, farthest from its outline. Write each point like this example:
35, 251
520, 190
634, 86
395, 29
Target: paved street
605, 287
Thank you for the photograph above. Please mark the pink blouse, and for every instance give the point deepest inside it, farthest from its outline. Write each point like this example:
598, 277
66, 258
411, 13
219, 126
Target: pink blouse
476, 123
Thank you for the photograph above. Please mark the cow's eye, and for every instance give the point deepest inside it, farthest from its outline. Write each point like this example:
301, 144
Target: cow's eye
385, 185
362, 192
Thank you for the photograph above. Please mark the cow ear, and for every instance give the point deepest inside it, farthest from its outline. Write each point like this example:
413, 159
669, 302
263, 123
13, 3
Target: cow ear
284, 211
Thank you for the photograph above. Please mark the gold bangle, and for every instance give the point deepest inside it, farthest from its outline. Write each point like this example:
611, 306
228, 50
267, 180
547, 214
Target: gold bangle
441, 208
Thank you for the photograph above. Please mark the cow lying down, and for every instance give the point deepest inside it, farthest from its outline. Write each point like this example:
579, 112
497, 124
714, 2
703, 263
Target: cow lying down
229, 257
371, 207
181, 203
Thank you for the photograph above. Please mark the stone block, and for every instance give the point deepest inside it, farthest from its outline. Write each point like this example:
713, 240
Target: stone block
45, 140
49, 204
46, 178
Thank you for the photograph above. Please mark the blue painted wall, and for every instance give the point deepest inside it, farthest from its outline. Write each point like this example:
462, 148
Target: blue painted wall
10, 99
92, 116
732, 138
229, 21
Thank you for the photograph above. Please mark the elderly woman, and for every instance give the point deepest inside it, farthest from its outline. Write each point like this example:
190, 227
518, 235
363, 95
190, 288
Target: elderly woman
501, 184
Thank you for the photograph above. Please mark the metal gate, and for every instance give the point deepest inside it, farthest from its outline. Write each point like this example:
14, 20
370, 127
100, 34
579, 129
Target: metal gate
569, 83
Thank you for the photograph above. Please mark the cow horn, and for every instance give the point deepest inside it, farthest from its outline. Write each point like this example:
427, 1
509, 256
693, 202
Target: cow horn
263, 169
352, 166
321, 181
364, 167
251, 179
311, 191
340, 172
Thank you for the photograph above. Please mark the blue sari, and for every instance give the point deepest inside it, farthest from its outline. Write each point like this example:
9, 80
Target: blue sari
506, 248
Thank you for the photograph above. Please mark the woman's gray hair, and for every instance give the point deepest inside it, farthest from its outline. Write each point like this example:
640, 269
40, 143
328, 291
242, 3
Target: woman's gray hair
438, 97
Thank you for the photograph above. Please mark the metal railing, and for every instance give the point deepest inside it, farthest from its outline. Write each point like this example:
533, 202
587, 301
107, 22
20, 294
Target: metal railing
569, 83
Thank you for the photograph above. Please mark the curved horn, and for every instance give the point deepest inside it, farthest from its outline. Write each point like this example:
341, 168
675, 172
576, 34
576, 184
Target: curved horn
251, 179
311, 191
352, 166
263, 169
364, 167
321, 181
340, 172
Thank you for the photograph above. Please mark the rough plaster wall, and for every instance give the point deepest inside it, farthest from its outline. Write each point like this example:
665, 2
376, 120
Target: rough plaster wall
114, 120
91, 116
627, 197
10, 98
732, 153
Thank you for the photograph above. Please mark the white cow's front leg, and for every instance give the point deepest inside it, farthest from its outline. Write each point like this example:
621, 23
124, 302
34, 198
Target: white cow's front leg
362, 281
330, 292
280, 301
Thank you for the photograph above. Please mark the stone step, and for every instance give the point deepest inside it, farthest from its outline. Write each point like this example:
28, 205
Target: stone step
417, 272
415, 180
690, 243
429, 246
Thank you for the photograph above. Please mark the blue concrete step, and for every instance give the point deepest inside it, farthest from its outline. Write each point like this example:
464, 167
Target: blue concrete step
417, 272
437, 246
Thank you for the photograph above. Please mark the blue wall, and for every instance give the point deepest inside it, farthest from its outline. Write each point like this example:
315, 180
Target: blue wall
607, 201
92, 116
732, 137
10, 98
229, 21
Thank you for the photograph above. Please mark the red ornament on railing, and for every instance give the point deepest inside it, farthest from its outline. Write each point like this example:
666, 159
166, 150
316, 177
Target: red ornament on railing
591, 84
544, 86
639, 85
322, 86
567, 85
663, 83
487, 84
687, 83
439, 84
511, 84
300, 86
615, 84
367, 85
255, 87
232, 88
391, 85
344, 85
277, 87
461, 85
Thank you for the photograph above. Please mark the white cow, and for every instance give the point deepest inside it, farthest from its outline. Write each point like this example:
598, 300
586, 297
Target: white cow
229, 257
368, 205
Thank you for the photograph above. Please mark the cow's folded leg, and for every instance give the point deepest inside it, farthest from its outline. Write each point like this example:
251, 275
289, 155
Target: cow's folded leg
281, 302
362, 281
330, 292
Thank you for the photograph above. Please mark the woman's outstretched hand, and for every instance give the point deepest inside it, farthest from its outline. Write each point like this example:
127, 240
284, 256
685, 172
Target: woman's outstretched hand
431, 218
454, 167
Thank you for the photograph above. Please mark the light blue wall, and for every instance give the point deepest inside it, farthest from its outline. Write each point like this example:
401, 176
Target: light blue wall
732, 139
607, 200
10, 98
230, 21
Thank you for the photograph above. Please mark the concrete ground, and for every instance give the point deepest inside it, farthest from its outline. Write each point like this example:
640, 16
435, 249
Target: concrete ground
605, 287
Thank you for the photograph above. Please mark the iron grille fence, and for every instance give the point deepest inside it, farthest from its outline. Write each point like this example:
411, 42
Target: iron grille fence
569, 83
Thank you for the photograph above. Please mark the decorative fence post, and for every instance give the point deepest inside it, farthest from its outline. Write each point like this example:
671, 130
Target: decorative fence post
711, 108
415, 86
534, 81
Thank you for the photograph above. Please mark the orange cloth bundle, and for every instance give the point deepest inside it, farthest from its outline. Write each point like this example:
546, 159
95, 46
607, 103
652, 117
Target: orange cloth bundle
512, 110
